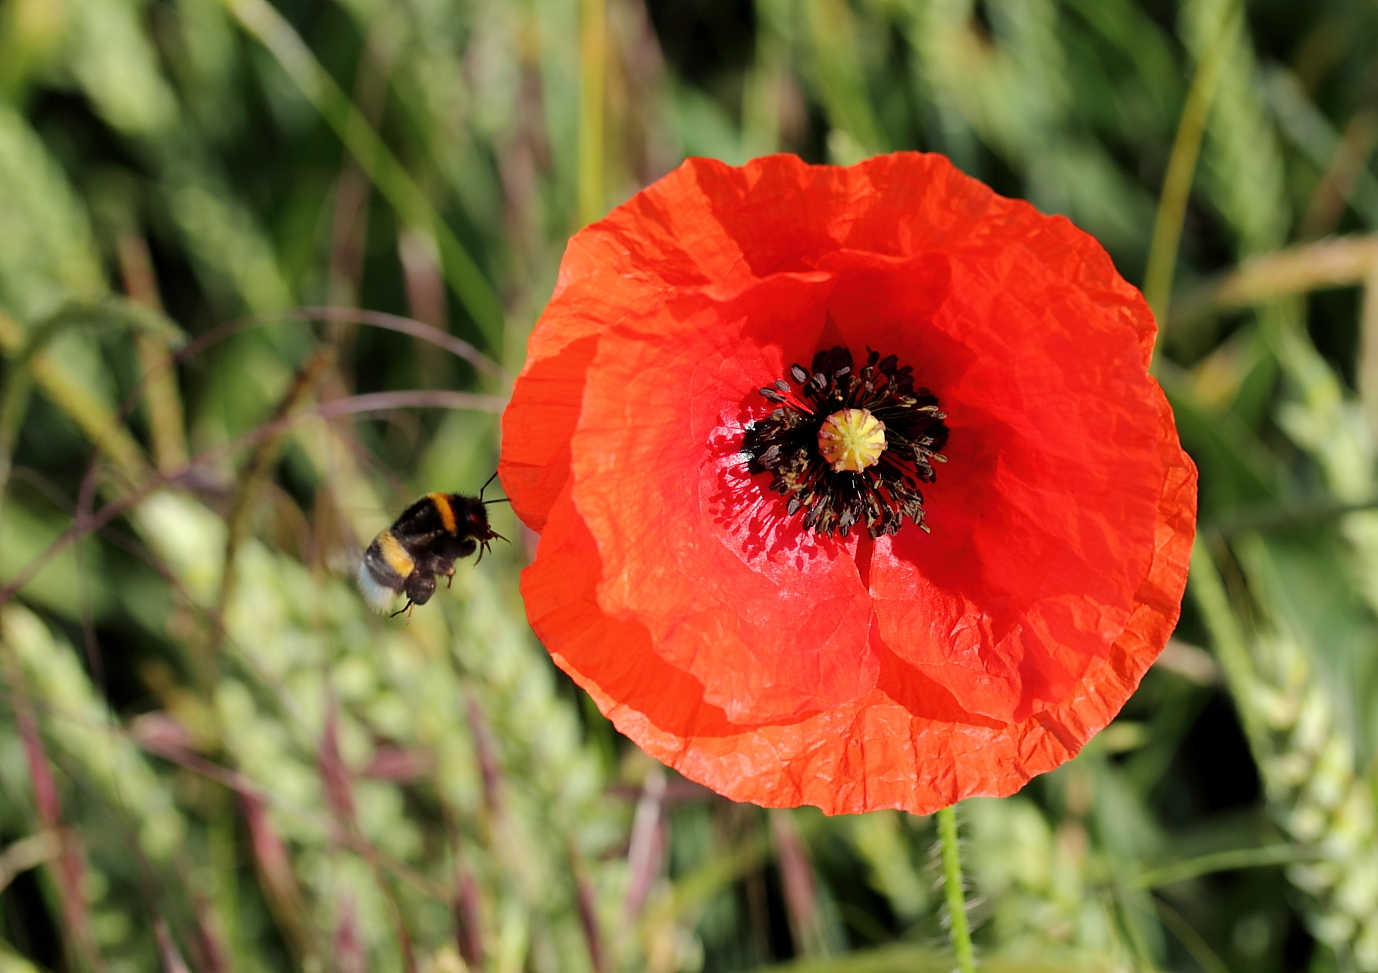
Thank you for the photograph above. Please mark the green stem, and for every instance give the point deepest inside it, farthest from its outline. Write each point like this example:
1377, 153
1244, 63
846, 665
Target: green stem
1220, 861
593, 56
1229, 642
956, 895
1181, 169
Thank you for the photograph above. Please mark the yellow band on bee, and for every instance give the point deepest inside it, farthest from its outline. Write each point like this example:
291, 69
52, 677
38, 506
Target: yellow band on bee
447, 513
395, 554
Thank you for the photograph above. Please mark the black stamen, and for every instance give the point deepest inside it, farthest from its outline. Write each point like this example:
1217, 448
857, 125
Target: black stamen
785, 443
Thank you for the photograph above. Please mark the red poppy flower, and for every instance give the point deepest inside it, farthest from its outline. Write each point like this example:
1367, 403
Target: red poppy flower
852, 485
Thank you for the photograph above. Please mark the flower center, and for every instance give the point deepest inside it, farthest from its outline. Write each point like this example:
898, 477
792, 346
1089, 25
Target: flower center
851, 440
849, 447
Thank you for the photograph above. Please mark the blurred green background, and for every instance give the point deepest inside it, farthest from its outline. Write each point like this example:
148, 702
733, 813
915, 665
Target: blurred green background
265, 272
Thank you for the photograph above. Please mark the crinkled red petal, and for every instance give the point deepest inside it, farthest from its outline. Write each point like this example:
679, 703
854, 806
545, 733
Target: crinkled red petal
771, 619
905, 744
782, 667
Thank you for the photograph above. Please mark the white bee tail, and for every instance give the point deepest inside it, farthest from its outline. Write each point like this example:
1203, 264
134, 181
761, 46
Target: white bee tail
379, 597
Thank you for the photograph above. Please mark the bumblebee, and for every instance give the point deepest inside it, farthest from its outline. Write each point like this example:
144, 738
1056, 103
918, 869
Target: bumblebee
425, 541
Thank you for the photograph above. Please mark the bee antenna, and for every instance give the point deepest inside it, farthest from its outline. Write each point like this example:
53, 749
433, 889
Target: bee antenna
486, 482
498, 500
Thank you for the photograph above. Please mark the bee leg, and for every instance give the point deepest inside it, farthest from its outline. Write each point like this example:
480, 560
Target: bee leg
483, 544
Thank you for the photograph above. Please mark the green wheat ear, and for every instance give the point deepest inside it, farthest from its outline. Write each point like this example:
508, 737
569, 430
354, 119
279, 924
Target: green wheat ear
1307, 760
1319, 800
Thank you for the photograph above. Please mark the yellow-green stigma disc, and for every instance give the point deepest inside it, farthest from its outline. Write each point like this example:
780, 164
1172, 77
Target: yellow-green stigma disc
851, 440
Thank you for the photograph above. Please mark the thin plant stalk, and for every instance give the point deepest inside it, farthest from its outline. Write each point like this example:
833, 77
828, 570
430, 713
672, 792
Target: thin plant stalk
593, 55
74, 398
958, 930
1368, 348
166, 417
352, 405
1181, 170
220, 809
471, 285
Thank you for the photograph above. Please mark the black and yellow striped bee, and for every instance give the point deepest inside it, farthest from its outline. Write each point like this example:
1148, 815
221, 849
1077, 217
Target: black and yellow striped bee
425, 541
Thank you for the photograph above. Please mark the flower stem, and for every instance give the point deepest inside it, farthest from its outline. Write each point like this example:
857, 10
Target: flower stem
956, 896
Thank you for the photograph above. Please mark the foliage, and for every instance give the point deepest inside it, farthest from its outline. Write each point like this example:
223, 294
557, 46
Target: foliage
212, 757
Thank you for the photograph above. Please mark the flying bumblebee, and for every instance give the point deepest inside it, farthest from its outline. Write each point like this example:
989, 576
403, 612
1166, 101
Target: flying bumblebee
425, 541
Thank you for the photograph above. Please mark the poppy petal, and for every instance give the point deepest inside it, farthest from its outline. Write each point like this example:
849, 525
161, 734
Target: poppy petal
774, 622
782, 666
903, 745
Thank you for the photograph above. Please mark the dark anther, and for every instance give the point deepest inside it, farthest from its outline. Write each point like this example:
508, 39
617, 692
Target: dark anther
785, 443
